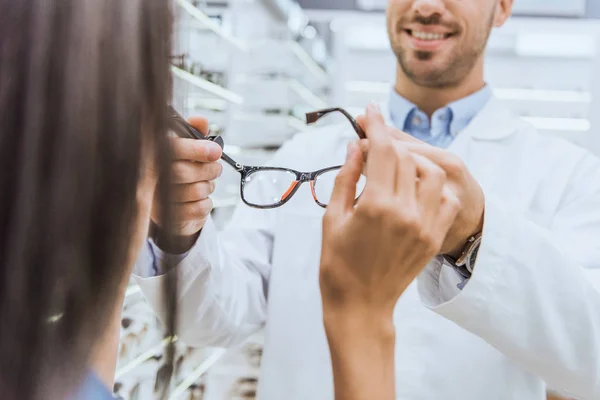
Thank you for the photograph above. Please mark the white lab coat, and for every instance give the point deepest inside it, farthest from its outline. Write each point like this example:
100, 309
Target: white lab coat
528, 315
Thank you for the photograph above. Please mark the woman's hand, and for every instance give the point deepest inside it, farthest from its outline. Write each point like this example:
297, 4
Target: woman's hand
469, 220
372, 251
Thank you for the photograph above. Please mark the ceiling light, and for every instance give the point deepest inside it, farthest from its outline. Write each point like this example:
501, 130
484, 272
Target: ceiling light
559, 96
559, 45
560, 124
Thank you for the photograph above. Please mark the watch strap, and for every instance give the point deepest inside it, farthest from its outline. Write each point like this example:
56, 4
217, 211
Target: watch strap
466, 262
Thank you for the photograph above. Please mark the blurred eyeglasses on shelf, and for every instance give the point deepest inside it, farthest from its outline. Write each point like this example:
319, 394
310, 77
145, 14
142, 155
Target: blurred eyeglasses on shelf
184, 62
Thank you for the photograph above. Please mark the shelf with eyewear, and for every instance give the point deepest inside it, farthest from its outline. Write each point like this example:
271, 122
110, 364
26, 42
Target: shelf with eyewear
207, 86
141, 370
233, 376
249, 129
192, 15
291, 57
146, 376
282, 89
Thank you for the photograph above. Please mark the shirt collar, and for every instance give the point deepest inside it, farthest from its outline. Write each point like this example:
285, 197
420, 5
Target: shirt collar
462, 111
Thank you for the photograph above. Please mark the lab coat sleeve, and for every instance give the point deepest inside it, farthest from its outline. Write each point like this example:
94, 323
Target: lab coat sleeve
222, 283
533, 293
223, 280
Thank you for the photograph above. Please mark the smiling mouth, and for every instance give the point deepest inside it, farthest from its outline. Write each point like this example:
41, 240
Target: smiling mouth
428, 35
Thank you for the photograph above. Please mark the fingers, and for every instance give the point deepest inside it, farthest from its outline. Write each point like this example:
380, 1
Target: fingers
430, 186
393, 132
200, 123
406, 177
448, 210
397, 134
344, 190
447, 161
381, 165
191, 192
375, 125
191, 172
361, 120
195, 150
193, 211
186, 213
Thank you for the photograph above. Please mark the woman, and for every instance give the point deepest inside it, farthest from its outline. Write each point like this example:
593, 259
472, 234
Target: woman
83, 94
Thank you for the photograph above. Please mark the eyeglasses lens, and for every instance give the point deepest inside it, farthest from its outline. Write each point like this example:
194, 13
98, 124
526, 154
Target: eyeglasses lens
270, 187
326, 181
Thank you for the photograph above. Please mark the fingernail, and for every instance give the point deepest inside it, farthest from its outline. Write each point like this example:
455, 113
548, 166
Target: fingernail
373, 107
214, 151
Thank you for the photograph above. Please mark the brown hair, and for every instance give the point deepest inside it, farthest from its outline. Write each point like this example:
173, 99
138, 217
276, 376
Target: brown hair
77, 78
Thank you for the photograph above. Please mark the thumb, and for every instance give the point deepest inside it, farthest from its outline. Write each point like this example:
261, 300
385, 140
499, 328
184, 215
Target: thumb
361, 120
200, 123
344, 190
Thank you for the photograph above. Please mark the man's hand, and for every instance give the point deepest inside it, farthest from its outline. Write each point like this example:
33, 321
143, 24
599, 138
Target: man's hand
194, 169
470, 217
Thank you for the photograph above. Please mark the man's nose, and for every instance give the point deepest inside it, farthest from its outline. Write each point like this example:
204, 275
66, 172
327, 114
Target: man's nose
428, 8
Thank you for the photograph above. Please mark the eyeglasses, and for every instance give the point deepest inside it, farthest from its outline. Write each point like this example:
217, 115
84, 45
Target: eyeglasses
272, 187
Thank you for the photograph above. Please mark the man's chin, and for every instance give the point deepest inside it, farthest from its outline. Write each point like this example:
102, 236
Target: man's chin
429, 73
426, 76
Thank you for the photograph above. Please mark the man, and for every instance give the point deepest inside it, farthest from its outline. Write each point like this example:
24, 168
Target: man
519, 313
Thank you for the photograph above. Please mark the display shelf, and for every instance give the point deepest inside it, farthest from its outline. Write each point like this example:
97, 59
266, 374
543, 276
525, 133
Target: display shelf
207, 86
206, 21
290, 50
311, 65
197, 373
276, 92
256, 130
307, 95
139, 360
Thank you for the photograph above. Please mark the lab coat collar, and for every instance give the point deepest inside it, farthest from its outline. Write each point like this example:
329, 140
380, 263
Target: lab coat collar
494, 122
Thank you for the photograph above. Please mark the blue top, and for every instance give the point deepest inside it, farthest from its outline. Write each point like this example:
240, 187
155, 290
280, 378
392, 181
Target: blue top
445, 123
93, 389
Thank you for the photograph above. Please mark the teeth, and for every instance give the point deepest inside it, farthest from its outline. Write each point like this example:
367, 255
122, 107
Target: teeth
427, 35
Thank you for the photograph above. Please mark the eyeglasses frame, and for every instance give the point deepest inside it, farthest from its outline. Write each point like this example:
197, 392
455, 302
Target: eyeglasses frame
183, 129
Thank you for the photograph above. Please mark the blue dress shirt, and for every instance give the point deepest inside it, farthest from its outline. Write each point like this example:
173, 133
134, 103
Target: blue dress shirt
444, 124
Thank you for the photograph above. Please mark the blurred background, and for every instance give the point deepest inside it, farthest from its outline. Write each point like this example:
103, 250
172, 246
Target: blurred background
254, 67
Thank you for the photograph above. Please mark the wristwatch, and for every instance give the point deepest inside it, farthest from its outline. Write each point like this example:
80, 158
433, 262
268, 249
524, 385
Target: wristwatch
466, 262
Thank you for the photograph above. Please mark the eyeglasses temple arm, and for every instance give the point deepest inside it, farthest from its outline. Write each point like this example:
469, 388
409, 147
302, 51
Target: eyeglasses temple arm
313, 117
224, 156
197, 135
234, 164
